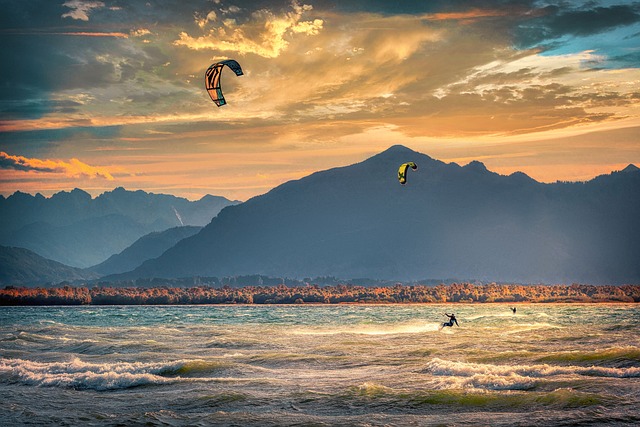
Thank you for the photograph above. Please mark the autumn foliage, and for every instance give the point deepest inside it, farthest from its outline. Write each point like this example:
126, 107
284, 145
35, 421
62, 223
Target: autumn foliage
334, 294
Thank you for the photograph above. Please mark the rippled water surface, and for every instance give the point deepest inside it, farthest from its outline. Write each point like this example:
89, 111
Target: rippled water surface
362, 365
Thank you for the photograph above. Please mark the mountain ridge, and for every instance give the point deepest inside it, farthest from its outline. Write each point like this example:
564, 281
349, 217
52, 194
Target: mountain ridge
447, 221
73, 228
19, 267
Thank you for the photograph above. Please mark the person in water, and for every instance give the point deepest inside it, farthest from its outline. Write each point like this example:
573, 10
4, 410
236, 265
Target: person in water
514, 310
452, 320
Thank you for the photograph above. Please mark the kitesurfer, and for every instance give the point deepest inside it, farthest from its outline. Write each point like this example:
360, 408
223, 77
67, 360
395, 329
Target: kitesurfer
452, 320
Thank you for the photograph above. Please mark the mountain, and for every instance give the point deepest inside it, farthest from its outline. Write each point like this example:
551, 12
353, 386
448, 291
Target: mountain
74, 229
447, 221
19, 267
147, 247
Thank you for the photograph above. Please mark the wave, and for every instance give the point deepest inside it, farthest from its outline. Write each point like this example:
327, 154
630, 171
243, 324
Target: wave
192, 367
82, 375
616, 355
32, 337
527, 327
469, 399
39, 342
560, 399
276, 359
513, 377
509, 315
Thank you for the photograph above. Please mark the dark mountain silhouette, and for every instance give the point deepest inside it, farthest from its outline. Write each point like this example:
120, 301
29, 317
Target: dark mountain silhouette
20, 267
147, 247
72, 228
447, 221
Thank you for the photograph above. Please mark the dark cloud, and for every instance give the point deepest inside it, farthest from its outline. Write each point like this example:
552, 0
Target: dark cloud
587, 22
554, 22
39, 65
35, 142
35, 108
44, 52
394, 7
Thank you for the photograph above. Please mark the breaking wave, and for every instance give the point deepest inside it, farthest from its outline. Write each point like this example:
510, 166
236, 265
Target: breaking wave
514, 377
82, 375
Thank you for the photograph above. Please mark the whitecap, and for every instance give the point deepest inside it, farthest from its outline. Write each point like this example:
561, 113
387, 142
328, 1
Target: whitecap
519, 374
84, 375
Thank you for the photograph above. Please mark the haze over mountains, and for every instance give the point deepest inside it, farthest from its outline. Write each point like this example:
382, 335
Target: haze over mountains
147, 247
447, 221
20, 267
80, 231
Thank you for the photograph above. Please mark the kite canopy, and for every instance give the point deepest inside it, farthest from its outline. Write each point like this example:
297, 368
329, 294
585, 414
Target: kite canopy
402, 171
212, 79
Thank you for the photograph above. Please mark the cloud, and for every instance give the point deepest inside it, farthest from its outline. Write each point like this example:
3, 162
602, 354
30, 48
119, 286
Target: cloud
140, 32
586, 22
80, 9
553, 22
202, 21
469, 15
92, 34
443, 71
74, 168
264, 34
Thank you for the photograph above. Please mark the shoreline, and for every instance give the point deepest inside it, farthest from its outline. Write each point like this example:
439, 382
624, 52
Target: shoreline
356, 304
316, 295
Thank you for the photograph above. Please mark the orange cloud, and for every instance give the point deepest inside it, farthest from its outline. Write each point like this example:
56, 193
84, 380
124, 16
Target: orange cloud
74, 168
471, 14
95, 34
264, 35
140, 32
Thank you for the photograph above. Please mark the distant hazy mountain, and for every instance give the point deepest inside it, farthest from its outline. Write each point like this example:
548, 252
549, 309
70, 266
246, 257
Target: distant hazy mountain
19, 267
447, 221
72, 228
147, 247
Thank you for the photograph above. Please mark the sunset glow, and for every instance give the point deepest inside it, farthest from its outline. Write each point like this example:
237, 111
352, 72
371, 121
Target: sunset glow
104, 94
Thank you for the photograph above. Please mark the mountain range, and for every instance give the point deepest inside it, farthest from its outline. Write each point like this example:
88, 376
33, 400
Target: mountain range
80, 231
20, 267
447, 221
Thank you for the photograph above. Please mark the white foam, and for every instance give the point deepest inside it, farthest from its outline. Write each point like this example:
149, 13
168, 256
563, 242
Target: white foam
84, 375
520, 374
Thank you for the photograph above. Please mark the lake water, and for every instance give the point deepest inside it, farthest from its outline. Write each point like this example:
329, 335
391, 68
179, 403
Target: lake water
360, 365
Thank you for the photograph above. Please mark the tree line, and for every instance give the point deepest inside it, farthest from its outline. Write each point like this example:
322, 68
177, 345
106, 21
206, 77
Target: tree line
312, 293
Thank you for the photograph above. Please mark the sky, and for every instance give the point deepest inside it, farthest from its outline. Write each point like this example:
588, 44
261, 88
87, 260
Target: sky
104, 94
